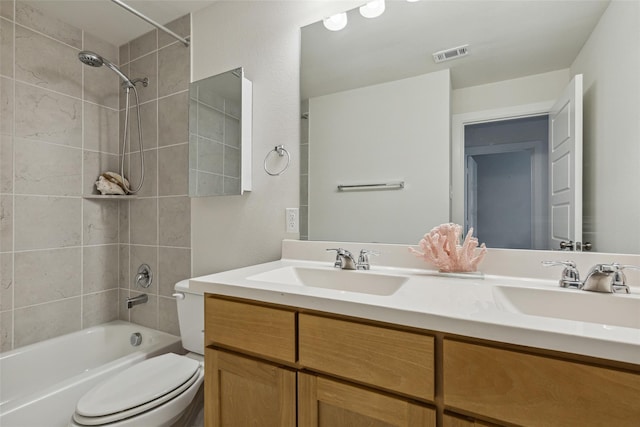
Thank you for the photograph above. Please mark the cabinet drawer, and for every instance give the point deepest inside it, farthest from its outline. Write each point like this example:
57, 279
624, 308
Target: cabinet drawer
387, 358
534, 390
324, 402
264, 331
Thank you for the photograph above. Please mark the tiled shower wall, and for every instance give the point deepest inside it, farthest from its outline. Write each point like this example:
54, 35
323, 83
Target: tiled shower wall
59, 128
60, 254
156, 228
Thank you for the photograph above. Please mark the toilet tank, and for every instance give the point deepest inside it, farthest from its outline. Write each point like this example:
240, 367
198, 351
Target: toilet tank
190, 316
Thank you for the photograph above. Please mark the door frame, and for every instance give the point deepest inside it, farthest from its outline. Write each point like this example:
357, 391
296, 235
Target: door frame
458, 123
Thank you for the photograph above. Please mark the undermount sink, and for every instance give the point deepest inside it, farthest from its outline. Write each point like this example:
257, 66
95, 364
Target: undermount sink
607, 309
364, 282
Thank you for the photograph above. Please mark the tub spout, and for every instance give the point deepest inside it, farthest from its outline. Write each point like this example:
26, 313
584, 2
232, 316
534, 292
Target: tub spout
140, 299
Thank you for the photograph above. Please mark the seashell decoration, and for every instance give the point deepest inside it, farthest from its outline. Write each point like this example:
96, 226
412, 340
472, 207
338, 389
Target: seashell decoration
111, 183
441, 247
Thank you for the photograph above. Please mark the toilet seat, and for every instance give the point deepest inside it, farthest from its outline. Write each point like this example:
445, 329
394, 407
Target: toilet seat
138, 389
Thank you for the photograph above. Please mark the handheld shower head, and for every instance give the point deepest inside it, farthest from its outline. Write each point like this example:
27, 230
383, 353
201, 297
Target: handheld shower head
92, 59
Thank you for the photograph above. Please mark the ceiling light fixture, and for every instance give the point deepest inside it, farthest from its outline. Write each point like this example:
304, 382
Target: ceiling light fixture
335, 22
373, 9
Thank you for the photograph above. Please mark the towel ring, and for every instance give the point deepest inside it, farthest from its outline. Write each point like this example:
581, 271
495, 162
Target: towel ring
280, 151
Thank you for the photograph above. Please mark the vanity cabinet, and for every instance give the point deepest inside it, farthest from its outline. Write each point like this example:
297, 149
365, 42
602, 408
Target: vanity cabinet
272, 365
325, 402
531, 390
240, 391
348, 373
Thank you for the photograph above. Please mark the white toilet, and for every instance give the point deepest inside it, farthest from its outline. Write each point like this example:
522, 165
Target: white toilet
158, 391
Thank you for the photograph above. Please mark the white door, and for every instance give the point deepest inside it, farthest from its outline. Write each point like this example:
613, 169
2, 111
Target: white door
565, 166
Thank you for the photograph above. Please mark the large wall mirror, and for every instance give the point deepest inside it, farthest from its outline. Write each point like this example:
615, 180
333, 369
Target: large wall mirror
392, 136
220, 135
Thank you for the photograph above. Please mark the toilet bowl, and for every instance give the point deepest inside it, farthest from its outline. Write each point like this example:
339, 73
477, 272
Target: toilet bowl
157, 391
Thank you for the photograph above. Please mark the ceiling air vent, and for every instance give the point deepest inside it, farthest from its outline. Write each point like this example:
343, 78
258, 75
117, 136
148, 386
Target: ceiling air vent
448, 54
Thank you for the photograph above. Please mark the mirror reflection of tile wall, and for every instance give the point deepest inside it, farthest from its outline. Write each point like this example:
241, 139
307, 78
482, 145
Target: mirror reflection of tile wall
214, 137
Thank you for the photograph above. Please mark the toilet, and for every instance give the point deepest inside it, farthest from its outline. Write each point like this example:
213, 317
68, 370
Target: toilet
158, 391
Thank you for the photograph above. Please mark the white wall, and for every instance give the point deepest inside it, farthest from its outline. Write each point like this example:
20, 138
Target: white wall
610, 62
510, 93
394, 131
264, 38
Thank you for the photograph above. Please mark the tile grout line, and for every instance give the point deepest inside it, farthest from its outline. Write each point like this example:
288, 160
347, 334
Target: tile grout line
157, 182
13, 186
82, 141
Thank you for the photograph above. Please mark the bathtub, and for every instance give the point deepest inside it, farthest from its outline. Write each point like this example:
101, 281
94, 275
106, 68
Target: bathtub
41, 383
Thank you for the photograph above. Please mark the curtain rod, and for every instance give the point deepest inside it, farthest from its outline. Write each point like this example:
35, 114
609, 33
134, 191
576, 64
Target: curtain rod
152, 22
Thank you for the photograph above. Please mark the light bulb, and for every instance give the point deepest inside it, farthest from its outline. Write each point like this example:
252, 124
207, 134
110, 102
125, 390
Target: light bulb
373, 9
335, 22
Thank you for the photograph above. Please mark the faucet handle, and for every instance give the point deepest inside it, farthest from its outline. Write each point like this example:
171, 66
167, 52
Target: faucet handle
570, 274
619, 282
363, 259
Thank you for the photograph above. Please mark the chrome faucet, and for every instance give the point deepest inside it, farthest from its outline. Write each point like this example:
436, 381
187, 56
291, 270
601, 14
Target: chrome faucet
344, 259
570, 275
607, 278
140, 299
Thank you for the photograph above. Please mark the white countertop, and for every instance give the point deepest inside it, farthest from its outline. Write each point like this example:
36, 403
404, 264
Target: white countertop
463, 306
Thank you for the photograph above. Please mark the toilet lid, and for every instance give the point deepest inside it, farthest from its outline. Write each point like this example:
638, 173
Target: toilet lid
138, 385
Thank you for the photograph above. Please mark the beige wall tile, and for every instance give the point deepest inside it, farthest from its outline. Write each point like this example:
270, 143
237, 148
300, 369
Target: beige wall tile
180, 26
173, 167
6, 9
123, 54
6, 47
40, 322
6, 281
175, 221
124, 273
47, 63
47, 169
210, 123
36, 20
101, 129
123, 311
6, 164
7, 106
102, 86
95, 164
140, 68
150, 184
6, 330
46, 222
100, 222
173, 119
168, 316
123, 221
100, 268
144, 44
173, 69
143, 221
149, 122
231, 162
174, 265
209, 184
47, 116
99, 308
145, 314
44, 276
6, 223
144, 255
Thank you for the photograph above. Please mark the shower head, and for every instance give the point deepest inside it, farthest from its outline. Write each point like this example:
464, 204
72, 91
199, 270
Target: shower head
94, 60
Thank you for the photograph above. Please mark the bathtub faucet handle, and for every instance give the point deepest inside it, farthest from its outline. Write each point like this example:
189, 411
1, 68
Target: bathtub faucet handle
144, 276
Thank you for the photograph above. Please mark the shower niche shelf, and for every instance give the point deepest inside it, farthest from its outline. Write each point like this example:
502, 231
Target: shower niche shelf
109, 197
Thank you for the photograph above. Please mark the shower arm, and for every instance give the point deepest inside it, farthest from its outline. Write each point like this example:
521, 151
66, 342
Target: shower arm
184, 41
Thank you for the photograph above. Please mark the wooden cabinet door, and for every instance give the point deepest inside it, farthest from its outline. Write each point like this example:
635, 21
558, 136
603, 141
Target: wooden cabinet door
242, 392
327, 403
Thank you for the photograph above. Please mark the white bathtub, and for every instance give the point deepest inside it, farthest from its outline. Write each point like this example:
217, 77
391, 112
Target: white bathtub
41, 383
